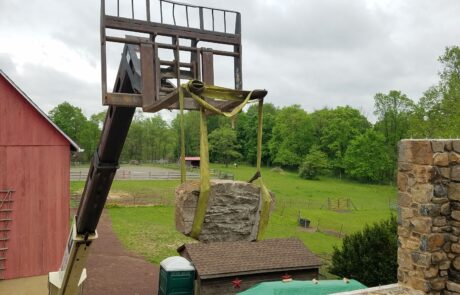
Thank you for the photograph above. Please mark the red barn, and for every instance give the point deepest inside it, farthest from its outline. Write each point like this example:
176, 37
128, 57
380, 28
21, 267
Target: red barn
34, 186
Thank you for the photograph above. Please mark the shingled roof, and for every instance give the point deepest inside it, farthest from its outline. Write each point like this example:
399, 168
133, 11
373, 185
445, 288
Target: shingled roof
222, 259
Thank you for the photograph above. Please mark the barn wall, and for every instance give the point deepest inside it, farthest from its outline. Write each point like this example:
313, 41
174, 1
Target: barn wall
40, 177
34, 161
21, 124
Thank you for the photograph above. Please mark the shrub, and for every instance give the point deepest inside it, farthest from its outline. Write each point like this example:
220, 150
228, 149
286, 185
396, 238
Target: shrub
278, 170
369, 256
367, 158
315, 163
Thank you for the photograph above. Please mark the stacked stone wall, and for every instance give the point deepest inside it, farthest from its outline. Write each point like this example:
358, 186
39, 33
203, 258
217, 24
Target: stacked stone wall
429, 215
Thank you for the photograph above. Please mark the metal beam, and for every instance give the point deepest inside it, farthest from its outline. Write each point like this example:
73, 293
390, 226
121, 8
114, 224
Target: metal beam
127, 24
123, 99
148, 75
168, 100
103, 168
207, 66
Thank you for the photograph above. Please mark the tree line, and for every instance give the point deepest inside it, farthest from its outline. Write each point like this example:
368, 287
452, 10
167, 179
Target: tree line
336, 141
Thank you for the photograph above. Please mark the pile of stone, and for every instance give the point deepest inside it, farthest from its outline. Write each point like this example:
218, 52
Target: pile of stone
429, 215
232, 214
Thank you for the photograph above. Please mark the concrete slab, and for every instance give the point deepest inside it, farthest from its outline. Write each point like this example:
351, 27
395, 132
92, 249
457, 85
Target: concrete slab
25, 286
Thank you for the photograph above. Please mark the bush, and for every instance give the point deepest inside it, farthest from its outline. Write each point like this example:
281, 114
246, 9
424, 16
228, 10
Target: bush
278, 170
369, 256
315, 163
367, 158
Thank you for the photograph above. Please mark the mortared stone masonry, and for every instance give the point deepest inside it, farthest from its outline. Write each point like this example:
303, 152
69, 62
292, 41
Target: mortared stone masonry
429, 215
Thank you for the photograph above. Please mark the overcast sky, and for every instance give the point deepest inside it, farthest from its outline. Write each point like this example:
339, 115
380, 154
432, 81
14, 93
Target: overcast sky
316, 53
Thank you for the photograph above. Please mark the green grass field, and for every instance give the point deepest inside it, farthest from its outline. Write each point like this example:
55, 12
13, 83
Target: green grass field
150, 231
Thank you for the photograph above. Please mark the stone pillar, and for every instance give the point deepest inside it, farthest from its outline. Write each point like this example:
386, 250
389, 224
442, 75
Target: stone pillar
429, 215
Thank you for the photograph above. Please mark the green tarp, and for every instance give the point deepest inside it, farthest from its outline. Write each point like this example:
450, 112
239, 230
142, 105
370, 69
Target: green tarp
303, 287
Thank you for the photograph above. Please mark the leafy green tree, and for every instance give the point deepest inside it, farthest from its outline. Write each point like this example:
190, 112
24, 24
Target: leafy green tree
69, 118
246, 128
98, 118
393, 111
223, 146
334, 129
314, 164
367, 158
192, 133
150, 139
72, 121
369, 256
134, 143
159, 139
451, 63
427, 115
88, 138
216, 121
292, 136
449, 92
437, 114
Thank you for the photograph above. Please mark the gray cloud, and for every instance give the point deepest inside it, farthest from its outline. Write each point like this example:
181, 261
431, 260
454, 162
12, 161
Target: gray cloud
314, 53
6, 64
321, 25
48, 87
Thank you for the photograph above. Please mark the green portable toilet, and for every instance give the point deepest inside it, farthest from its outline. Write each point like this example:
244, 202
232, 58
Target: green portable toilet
177, 276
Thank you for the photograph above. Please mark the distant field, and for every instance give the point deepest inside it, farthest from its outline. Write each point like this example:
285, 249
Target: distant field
150, 230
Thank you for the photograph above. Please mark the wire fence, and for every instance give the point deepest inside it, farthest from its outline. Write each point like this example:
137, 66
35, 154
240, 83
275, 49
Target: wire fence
294, 212
334, 204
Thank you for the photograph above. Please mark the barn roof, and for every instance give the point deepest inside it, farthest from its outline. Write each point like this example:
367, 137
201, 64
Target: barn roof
192, 158
224, 259
73, 145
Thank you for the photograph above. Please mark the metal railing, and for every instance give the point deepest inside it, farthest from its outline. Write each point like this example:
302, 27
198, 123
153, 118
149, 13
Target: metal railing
201, 12
171, 9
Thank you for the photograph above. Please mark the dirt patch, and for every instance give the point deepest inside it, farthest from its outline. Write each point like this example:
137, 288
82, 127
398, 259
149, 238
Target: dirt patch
140, 199
308, 229
119, 197
113, 270
126, 199
331, 232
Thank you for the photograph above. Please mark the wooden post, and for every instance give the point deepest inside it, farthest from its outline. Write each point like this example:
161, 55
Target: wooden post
207, 66
148, 75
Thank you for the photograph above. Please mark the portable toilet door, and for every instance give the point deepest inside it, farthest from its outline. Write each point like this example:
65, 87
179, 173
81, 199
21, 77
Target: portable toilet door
177, 276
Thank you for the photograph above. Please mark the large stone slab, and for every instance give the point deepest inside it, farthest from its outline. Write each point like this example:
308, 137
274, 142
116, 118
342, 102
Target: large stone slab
232, 214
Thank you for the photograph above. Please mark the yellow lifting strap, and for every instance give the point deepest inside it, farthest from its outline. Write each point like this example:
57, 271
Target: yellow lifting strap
200, 92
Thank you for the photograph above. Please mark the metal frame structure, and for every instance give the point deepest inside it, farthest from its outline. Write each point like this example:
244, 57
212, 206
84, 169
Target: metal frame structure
143, 80
147, 75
